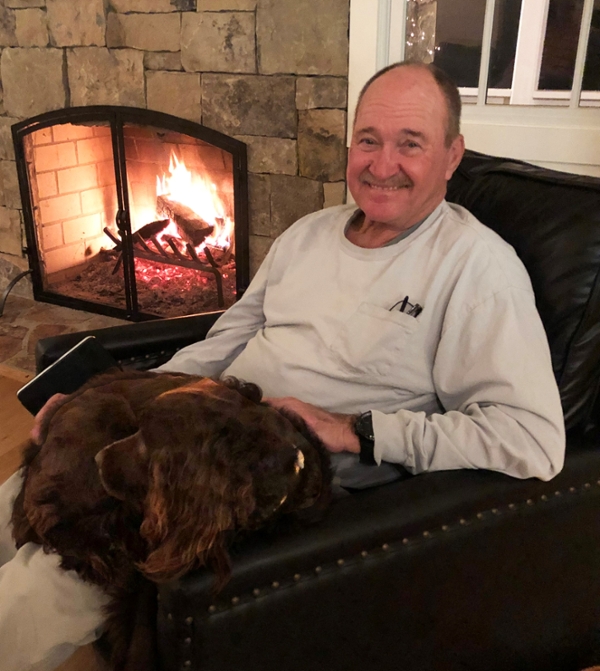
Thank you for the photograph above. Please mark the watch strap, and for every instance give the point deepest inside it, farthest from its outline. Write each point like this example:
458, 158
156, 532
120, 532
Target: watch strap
363, 428
367, 450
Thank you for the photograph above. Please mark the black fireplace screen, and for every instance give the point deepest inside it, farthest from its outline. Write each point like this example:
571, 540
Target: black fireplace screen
133, 213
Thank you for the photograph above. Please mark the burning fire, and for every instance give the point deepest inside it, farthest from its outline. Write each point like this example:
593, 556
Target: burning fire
198, 193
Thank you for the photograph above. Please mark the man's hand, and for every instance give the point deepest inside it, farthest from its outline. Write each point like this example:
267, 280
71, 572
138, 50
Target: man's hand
334, 429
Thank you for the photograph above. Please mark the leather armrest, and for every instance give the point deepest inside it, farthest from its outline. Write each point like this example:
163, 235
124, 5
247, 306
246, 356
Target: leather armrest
143, 345
405, 569
367, 519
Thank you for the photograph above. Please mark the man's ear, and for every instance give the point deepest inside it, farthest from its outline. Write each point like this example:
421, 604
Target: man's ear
455, 154
123, 469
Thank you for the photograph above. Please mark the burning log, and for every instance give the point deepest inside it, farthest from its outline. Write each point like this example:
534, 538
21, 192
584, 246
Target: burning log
153, 228
192, 227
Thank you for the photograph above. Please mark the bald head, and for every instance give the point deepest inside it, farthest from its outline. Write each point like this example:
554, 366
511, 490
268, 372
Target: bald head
446, 86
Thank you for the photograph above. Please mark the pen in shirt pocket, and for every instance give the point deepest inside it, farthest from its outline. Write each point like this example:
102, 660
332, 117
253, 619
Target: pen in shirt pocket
412, 310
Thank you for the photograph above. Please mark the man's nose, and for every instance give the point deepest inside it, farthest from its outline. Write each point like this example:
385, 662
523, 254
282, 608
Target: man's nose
384, 164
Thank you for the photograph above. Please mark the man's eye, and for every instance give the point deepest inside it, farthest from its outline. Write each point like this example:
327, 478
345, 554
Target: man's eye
412, 145
367, 141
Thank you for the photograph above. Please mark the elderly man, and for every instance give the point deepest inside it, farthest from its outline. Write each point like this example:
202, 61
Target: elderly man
402, 330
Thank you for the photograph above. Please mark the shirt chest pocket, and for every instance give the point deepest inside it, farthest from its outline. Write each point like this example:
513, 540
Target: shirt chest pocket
375, 343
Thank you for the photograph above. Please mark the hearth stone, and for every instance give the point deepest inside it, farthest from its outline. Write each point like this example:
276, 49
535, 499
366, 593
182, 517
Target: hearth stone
10, 267
25, 321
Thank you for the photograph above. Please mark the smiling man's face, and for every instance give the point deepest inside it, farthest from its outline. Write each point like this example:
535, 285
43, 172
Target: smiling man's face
399, 162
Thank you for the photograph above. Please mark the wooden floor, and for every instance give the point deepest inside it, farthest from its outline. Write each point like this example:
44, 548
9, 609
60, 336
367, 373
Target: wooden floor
15, 424
15, 421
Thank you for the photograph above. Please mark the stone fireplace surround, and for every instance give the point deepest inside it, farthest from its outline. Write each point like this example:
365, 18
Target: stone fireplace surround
272, 73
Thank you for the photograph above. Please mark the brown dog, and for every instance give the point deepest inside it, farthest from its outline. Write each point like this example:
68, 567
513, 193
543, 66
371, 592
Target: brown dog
144, 474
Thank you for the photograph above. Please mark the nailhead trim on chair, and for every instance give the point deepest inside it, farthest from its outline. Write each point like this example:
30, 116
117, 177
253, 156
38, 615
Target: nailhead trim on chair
372, 552
260, 592
375, 553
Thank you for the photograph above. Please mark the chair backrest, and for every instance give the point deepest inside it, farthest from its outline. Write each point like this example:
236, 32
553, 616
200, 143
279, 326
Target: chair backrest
552, 219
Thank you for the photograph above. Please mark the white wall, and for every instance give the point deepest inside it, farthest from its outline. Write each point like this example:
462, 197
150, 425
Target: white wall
560, 138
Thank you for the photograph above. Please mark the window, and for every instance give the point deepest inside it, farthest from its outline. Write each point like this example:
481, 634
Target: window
528, 70
515, 51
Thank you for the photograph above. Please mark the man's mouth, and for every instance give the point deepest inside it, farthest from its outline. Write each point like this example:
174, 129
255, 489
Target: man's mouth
391, 185
381, 187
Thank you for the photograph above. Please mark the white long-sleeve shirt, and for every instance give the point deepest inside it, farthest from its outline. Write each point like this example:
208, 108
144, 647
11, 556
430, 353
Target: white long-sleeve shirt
468, 383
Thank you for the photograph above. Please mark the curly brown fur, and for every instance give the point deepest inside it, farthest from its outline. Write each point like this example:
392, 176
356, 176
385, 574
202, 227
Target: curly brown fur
144, 476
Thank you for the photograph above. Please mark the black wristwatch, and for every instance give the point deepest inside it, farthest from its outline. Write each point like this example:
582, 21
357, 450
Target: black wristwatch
363, 428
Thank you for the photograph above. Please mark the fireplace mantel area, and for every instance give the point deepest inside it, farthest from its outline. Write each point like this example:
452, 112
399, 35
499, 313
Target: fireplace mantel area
270, 73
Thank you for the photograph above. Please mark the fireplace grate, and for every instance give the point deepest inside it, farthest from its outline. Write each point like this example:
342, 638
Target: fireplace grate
160, 253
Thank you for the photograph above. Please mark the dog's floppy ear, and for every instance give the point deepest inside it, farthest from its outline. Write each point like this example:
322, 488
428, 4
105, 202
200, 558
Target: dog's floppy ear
123, 469
188, 515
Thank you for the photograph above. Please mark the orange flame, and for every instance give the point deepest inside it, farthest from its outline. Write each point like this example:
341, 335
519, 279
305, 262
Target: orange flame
199, 194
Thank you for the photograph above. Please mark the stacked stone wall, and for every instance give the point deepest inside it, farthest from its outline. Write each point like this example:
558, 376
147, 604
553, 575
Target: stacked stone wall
272, 73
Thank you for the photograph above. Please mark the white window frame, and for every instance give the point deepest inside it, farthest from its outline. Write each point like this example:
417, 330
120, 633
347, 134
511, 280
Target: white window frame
377, 29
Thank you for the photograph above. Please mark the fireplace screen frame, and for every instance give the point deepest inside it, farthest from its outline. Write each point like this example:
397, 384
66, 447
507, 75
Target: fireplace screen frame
117, 117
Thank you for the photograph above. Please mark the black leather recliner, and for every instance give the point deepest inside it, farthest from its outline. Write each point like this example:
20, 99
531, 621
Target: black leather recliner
457, 570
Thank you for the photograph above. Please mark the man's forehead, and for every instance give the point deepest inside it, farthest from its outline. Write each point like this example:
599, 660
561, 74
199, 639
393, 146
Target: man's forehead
407, 96
401, 79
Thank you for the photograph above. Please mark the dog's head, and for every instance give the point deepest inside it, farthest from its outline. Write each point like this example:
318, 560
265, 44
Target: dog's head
209, 459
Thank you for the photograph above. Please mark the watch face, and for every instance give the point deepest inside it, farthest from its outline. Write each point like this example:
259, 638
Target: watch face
364, 426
